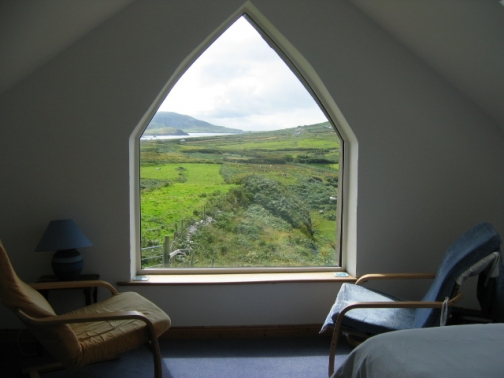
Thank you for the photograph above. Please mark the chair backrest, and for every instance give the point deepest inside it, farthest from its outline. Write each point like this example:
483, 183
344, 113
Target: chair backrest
475, 244
58, 340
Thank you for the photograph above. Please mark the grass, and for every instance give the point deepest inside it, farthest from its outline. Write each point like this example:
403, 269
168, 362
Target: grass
162, 208
260, 225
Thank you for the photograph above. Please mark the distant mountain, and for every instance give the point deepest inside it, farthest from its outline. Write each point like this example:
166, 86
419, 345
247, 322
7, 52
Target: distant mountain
170, 123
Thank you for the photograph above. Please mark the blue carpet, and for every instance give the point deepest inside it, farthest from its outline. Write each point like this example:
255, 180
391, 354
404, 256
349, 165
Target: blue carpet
221, 358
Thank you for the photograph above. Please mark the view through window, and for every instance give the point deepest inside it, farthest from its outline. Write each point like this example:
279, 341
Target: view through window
239, 167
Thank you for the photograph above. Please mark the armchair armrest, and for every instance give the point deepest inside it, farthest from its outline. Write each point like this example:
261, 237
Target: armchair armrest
73, 285
394, 276
401, 304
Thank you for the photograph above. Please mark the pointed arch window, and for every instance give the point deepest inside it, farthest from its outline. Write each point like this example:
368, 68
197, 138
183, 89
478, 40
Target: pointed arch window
232, 178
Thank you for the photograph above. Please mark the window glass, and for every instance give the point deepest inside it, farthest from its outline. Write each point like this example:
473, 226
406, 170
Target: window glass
240, 166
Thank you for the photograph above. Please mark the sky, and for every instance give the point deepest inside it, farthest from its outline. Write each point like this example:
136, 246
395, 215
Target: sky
241, 82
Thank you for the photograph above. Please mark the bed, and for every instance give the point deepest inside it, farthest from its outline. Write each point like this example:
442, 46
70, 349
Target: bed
460, 351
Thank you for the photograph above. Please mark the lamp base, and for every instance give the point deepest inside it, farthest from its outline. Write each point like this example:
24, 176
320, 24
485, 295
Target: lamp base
67, 264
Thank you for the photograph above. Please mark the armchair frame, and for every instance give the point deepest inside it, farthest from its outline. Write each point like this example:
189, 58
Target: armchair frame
96, 317
67, 337
153, 344
403, 304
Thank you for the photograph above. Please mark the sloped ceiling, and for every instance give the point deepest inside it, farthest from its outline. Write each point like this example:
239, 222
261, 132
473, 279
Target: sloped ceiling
33, 32
462, 40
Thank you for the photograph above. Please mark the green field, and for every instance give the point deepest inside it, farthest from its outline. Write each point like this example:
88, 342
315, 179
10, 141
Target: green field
251, 199
165, 206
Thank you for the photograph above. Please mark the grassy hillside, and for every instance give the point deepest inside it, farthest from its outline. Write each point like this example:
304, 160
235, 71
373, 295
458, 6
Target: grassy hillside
253, 199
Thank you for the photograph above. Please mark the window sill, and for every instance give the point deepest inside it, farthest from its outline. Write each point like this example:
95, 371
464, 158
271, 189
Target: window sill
236, 279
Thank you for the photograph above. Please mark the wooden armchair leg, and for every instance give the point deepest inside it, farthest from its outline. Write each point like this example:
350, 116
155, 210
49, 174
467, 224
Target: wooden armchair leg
156, 354
332, 352
153, 345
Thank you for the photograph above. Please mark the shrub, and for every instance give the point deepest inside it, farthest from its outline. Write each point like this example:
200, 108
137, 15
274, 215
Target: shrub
279, 200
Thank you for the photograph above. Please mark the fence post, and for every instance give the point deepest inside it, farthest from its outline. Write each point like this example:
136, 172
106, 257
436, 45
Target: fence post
166, 251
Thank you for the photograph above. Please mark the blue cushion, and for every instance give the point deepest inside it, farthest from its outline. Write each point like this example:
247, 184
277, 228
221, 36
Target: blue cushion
370, 320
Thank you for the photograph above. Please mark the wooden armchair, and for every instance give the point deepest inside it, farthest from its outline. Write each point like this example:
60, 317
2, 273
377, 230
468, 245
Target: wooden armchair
365, 312
354, 336
99, 332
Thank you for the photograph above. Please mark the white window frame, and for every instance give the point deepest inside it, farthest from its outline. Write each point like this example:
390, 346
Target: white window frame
347, 204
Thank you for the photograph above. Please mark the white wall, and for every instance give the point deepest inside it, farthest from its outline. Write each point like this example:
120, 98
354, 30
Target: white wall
430, 161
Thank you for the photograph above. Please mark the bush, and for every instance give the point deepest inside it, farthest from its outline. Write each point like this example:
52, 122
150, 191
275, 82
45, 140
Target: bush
279, 200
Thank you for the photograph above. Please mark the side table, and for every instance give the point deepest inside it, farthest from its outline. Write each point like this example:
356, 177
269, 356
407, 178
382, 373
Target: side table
88, 291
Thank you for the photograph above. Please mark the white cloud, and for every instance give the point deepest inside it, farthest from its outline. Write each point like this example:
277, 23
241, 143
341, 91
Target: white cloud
240, 82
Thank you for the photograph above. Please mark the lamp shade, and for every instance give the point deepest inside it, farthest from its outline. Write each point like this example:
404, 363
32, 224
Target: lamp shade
64, 236
61, 235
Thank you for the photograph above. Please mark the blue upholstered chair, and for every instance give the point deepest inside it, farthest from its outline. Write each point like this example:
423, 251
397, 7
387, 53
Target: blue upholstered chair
365, 312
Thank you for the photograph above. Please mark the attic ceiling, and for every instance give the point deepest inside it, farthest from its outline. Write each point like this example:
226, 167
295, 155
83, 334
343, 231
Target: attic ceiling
462, 40
34, 32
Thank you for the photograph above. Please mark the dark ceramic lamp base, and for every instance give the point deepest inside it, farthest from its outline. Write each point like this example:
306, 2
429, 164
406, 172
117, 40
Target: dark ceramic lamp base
67, 264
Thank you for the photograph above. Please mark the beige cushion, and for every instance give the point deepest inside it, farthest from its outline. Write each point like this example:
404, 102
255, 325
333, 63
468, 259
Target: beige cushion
108, 339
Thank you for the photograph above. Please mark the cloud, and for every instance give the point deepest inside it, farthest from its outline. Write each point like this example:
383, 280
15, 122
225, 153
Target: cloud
241, 82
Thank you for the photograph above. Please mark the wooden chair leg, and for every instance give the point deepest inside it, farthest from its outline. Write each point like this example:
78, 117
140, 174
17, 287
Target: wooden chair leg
156, 354
332, 350
153, 346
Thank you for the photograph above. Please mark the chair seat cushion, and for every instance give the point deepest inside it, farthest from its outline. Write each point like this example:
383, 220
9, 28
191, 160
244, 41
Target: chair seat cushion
372, 321
108, 339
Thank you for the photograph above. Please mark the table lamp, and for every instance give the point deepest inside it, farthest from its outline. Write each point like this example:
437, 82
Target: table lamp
64, 236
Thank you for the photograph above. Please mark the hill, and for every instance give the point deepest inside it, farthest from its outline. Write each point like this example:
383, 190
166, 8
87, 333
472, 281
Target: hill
170, 123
